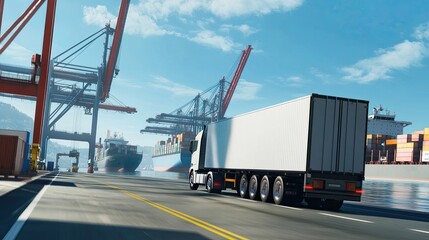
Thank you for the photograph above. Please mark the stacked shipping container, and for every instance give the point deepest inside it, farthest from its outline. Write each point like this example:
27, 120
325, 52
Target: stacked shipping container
425, 147
404, 148
173, 144
379, 148
408, 148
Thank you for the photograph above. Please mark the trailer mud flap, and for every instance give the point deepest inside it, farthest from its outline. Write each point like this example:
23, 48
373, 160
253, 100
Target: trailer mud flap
218, 180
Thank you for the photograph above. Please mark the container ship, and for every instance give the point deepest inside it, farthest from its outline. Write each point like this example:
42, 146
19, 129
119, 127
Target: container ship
390, 154
115, 155
173, 154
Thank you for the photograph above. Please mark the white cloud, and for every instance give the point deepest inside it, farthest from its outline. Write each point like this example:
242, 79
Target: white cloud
321, 75
401, 56
17, 54
205, 22
422, 32
172, 87
98, 16
150, 17
243, 28
127, 83
161, 9
292, 81
143, 25
210, 38
136, 24
228, 8
247, 90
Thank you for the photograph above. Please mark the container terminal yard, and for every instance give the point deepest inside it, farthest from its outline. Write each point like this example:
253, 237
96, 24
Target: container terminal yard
319, 166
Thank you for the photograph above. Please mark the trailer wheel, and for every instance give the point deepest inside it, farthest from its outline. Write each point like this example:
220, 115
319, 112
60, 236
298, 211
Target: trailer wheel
332, 205
279, 191
244, 186
254, 188
192, 185
265, 190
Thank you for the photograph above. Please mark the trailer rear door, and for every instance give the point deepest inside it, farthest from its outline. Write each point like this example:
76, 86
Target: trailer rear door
337, 135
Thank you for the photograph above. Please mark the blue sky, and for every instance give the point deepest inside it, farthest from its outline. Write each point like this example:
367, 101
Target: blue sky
377, 50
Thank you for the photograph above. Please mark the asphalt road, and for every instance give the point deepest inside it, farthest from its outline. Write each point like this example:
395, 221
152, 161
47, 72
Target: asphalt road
84, 206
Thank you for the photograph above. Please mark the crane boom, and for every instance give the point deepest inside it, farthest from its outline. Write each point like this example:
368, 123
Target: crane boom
114, 51
235, 79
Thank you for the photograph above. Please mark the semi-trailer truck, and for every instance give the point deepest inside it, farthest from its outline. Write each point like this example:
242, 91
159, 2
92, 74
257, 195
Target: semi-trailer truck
309, 149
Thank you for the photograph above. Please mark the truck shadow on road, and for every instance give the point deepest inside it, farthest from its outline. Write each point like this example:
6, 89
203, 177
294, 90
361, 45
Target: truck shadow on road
16, 201
73, 230
385, 212
354, 209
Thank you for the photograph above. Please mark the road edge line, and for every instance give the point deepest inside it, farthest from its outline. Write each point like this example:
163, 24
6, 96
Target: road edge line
17, 226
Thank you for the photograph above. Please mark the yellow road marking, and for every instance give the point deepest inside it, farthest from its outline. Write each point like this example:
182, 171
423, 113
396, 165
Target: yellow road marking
197, 222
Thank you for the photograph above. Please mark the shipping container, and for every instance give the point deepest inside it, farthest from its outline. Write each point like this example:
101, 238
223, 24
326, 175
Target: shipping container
405, 154
405, 159
50, 166
404, 138
399, 150
425, 156
407, 145
417, 137
24, 135
12, 155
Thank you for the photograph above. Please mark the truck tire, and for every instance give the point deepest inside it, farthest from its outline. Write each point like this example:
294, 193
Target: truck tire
265, 190
254, 187
192, 185
243, 189
332, 205
209, 185
278, 190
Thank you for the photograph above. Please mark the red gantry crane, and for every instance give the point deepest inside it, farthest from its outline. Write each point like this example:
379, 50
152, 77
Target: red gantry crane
235, 79
42, 63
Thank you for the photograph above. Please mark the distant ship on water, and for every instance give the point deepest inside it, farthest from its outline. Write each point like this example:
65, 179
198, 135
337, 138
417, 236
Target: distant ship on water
116, 155
173, 154
390, 154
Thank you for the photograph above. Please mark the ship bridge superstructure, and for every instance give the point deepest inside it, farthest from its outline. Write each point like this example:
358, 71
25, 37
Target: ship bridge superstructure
381, 121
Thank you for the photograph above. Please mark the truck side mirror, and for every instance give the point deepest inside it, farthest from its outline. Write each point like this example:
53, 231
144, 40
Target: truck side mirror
193, 146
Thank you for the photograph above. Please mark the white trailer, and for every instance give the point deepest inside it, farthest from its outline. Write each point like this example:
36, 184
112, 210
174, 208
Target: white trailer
310, 148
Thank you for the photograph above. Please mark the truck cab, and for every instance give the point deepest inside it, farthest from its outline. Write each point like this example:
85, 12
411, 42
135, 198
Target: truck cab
195, 178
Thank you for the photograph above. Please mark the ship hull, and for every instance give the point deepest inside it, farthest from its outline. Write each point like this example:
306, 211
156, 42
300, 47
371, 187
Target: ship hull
397, 172
176, 162
120, 163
